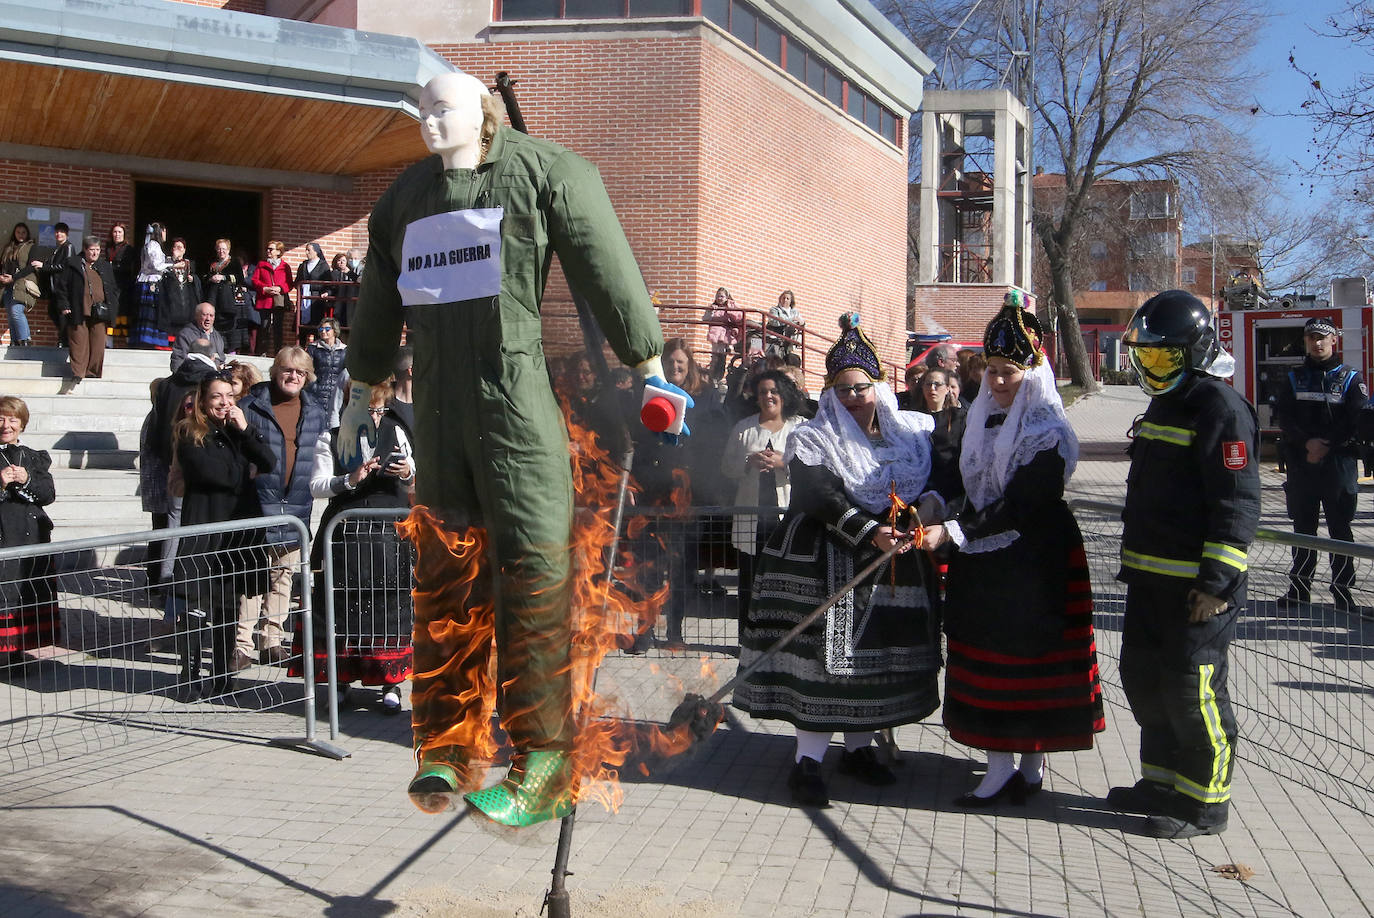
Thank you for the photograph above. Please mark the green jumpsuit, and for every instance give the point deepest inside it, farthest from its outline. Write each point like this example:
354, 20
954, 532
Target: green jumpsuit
489, 437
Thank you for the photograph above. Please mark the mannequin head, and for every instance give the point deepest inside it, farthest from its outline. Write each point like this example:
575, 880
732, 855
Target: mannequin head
456, 114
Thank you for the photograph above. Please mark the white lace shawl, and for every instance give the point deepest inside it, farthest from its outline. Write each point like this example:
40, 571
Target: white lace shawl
1035, 422
834, 441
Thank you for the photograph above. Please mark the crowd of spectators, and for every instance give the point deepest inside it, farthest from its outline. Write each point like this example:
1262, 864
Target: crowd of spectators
151, 293
221, 444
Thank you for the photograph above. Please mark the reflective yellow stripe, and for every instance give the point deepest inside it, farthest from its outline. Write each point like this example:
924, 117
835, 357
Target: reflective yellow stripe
1152, 564
1226, 554
1218, 789
1179, 436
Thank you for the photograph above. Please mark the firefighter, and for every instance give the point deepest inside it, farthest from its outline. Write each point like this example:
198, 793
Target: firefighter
1192, 505
1319, 410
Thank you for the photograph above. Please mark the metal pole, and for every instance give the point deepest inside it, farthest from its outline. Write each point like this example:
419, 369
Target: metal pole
556, 900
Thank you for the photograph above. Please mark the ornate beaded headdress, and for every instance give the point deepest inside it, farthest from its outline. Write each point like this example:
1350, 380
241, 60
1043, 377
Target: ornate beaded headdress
852, 352
1014, 334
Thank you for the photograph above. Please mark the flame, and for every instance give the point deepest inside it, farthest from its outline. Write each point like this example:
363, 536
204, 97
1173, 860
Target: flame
454, 675
451, 574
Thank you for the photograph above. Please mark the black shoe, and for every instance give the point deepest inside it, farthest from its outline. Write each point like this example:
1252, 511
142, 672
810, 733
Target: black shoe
807, 784
1148, 798
1295, 598
1014, 788
1177, 828
1028, 789
864, 766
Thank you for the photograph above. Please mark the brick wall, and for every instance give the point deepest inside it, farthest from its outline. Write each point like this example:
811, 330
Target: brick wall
963, 310
723, 170
109, 194
724, 173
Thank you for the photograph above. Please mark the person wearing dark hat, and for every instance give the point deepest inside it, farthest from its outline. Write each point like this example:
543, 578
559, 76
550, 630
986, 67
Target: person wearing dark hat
1192, 506
1318, 413
873, 661
1022, 674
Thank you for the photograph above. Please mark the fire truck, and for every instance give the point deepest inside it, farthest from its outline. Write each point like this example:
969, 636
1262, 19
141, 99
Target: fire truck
1264, 334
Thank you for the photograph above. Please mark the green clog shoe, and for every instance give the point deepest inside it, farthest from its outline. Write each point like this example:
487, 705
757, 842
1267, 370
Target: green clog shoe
536, 789
443, 772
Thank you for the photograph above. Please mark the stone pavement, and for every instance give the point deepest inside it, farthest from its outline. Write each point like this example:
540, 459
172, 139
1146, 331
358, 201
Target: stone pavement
218, 823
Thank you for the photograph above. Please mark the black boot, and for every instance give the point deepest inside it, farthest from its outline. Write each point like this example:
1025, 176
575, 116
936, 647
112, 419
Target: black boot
221, 681
190, 641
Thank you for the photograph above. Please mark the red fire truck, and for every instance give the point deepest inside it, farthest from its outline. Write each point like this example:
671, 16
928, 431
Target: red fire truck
1264, 334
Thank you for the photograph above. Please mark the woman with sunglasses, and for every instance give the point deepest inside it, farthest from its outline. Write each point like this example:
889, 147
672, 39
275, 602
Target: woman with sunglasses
328, 353
939, 398
872, 662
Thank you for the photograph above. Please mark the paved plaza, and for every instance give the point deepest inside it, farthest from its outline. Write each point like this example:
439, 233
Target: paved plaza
215, 821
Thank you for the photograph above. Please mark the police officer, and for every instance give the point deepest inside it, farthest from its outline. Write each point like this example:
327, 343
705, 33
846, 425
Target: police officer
1192, 505
1318, 413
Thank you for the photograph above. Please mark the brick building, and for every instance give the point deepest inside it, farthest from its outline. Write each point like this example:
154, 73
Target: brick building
759, 146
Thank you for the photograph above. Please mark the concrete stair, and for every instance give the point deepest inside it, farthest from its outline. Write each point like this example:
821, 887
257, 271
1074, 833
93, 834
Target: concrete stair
91, 433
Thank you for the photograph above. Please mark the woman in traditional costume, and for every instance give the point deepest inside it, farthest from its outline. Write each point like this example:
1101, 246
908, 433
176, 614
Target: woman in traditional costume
873, 661
1022, 674
152, 262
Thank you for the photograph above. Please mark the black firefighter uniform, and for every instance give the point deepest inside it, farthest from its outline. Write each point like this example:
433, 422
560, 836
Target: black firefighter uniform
1192, 506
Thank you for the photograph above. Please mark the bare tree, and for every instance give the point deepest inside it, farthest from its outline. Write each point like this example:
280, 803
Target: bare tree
1343, 118
1120, 88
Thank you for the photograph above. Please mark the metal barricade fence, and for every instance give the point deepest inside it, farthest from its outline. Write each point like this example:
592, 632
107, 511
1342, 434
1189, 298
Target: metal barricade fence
678, 566
107, 659
1301, 674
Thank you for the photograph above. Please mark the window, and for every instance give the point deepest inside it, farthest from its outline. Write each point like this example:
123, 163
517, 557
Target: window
592, 9
742, 23
815, 74
834, 87
770, 41
1153, 245
887, 125
529, 9
1098, 286
854, 105
1098, 250
1189, 276
660, 8
796, 60
1151, 205
718, 11
1145, 281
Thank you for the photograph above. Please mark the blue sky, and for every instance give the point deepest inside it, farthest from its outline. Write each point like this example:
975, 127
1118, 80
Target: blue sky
1281, 90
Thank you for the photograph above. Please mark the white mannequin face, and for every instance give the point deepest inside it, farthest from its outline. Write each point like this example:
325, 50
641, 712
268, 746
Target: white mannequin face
451, 118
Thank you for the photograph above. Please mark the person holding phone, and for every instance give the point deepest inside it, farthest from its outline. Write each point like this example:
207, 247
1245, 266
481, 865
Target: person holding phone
372, 565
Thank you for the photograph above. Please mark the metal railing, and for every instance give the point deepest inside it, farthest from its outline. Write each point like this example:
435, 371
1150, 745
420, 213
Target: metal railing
1301, 675
110, 658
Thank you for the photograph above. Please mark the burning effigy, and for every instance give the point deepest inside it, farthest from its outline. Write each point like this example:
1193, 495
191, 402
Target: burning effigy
458, 254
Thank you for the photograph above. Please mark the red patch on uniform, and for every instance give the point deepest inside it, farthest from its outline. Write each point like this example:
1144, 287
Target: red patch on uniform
1234, 455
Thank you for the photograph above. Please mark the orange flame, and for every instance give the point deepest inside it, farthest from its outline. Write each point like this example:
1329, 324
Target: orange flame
454, 673
450, 575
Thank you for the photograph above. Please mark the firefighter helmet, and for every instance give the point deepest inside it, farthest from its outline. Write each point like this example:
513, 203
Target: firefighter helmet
1170, 335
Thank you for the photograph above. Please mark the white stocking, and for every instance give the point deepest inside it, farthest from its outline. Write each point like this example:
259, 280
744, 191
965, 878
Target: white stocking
856, 741
812, 745
1001, 766
1033, 767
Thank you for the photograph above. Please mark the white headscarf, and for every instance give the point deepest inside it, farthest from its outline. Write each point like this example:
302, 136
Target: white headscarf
833, 440
1035, 421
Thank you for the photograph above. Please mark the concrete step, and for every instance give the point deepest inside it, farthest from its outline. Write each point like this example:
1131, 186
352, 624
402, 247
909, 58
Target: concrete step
91, 458
84, 441
134, 391
112, 485
70, 418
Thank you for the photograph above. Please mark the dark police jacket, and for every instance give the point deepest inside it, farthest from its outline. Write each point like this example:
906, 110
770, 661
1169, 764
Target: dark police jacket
1193, 491
1322, 401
